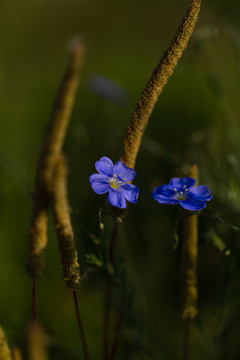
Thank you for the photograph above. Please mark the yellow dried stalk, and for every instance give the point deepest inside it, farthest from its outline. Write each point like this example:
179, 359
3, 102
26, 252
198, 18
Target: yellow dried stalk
190, 255
5, 353
155, 85
63, 226
37, 349
16, 353
51, 149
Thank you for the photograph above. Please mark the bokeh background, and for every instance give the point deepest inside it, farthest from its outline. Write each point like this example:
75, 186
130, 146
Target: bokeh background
196, 120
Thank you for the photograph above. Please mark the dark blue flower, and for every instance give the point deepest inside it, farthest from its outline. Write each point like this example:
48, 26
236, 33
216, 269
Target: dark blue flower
182, 191
114, 179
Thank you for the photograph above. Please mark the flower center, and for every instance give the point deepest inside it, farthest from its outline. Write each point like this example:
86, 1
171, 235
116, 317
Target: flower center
181, 194
114, 182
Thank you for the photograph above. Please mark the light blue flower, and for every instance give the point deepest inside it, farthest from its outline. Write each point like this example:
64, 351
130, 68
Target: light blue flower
114, 179
182, 191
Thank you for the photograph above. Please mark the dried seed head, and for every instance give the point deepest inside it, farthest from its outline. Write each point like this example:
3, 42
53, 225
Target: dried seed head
51, 149
159, 78
63, 226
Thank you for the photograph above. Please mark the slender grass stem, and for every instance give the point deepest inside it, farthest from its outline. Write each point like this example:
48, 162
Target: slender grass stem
190, 259
116, 337
113, 243
186, 342
108, 296
80, 327
34, 304
106, 317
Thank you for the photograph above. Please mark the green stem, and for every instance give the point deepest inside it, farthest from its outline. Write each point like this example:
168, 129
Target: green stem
108, 296
80, 327
186, 342
116, 337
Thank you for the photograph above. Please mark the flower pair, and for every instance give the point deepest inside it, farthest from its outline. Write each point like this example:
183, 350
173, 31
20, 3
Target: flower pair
114, 180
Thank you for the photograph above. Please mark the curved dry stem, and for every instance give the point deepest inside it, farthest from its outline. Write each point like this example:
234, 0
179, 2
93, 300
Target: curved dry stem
63, 226
51, 149
155, 85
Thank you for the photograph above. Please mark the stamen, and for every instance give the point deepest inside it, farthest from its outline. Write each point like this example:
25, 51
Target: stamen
174, 189
114, 182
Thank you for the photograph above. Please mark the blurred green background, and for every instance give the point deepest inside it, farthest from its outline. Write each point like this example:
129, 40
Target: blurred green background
196, 120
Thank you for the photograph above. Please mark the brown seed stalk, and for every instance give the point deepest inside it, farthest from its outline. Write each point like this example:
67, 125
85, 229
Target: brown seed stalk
37, 349
155, 85
16, 353
63, 226
51, 149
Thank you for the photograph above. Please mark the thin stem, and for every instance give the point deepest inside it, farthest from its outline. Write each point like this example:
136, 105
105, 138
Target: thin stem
187, 323
80, 327
106, 316
112, 244
108, 296
116, 337
34, 304
217, 219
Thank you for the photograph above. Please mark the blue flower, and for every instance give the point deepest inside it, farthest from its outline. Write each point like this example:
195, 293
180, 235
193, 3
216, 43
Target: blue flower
182, 191
114, 179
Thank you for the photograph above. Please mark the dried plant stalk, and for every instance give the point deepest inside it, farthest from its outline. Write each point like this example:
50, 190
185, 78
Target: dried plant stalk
37, 349
190, 254
5, 353
63, 226
51, 149
16, 353
155, 85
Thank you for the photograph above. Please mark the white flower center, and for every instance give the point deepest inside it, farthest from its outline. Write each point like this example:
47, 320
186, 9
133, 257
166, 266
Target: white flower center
114, 182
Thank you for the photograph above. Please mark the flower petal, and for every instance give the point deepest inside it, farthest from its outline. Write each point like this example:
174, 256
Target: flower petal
104, 166
164, 199
182, 183
116, 198
192, 204
123, 172
164, 190
200, 192
130, 192
99, 183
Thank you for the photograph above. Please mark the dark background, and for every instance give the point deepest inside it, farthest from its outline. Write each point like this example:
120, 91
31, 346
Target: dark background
196, 120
